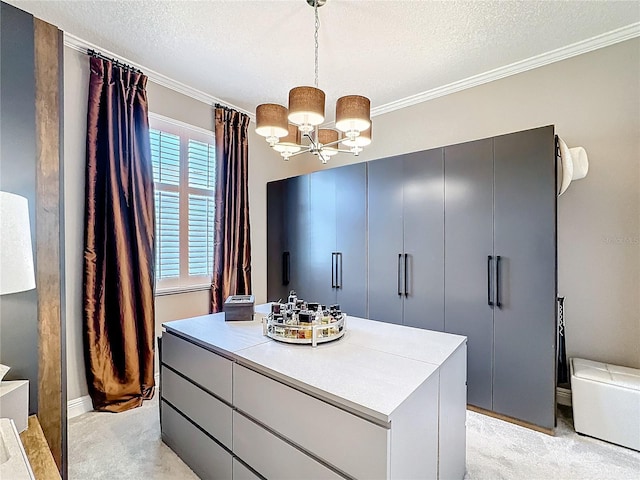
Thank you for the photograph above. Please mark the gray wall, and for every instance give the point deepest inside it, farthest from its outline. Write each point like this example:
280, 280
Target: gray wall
76, 91
18, 311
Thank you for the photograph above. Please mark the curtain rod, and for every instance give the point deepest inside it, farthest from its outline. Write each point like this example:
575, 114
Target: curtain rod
226, 107
116, 62
88, 48
233, 109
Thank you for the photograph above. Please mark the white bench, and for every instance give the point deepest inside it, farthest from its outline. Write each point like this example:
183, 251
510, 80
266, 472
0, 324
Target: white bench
606, 401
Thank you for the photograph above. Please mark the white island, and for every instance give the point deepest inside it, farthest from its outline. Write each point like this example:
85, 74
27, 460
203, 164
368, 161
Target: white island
384, 401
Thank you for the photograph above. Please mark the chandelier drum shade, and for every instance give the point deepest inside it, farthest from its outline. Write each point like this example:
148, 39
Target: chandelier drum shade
289, 144
306, 113
328, 137
306, 107
271, 122
352, 114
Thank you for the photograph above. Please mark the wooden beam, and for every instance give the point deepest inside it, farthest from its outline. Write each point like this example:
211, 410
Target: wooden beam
51, 410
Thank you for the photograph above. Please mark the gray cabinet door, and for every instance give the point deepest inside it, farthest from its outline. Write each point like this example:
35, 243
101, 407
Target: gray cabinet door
351, 238
423, 261
297, 228
276, 259
385, 185
322, 237
525, 241
468, 190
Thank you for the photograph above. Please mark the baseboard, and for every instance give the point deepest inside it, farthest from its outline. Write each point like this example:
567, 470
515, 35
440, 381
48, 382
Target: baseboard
515, 421
78, 406
563, 396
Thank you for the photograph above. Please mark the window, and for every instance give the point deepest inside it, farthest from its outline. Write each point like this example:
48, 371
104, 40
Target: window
184, 175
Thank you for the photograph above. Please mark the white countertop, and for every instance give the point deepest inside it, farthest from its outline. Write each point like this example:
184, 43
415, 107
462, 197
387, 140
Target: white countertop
372, 369
213, 333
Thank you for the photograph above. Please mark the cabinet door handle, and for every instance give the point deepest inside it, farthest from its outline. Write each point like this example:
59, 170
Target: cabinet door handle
406, 275
498, 289
333, 269
489, 261
286, 267
399, 260
339, 272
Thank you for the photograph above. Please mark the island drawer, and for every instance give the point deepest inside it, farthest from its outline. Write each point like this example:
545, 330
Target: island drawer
271, 456
205, 368
205, 457
208, 412
352, 444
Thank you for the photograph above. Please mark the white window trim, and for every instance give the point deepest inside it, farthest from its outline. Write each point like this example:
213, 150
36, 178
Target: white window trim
184, 125
160, 122
160, 292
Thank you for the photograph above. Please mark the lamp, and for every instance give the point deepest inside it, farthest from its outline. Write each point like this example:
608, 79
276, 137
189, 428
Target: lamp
360, 141
16, 254
327, 137
352, 115
290, 144
271, 122
306, 107
306, 113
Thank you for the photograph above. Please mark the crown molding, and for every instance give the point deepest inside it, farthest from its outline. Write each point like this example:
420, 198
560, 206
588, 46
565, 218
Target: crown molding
77, 43
600, 41
594, 43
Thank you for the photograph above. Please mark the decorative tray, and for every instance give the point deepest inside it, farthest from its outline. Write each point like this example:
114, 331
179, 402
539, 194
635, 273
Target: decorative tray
304, 323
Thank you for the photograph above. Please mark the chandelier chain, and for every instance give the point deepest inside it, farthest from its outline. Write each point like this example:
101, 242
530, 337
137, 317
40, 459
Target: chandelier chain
317, 27
306, 112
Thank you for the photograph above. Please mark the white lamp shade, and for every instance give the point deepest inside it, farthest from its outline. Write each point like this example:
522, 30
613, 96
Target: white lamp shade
16, 254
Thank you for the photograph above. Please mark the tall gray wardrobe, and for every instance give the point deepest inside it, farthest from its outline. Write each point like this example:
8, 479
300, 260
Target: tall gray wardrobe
460, 239
317, 236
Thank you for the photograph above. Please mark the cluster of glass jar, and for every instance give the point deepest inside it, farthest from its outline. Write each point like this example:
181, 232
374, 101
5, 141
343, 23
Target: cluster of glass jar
298, 319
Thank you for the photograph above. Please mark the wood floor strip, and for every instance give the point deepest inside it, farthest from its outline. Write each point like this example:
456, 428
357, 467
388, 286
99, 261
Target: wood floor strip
515, 421
37, 449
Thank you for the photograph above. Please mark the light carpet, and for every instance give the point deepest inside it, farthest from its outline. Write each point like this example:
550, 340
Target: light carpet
127, 446
501, 450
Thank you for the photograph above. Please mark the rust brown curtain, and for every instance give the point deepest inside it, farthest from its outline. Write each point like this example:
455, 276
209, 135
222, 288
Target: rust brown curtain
232, 249
119, 240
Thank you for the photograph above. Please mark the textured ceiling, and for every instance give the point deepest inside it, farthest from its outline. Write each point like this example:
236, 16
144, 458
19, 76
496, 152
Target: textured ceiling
251, 52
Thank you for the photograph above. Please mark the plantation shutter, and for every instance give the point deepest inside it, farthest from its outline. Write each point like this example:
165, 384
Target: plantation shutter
184, 174
201, 208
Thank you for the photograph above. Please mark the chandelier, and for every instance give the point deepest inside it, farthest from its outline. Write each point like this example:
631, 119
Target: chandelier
285, 128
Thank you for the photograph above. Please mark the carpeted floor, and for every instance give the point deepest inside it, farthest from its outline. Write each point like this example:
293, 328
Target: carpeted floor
118, 446
128, 446
501, 450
